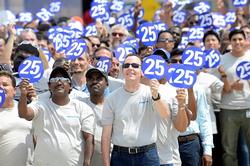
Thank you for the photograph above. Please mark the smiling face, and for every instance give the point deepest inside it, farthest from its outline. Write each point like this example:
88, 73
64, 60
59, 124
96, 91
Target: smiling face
238, 43
80, 65
59, 88
132, 69
211, 42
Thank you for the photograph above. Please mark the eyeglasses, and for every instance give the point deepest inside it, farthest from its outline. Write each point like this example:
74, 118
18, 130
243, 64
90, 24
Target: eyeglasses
57, 79
175, 61
166, 40
134, 65
99, 57
119, 34
95, 45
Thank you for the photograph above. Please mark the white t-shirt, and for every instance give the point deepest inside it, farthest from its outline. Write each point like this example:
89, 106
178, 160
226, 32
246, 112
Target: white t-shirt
132, 116
16, 145
235, 99
58, 132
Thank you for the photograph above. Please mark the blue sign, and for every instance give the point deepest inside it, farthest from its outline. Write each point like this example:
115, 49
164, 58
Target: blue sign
184, 42
194, 57
212, 58
230, 17
97, 10
25, 17
147, 33
47, 54
219, 20
44, 15
55, 7
239, 3
154, 66
127, 20
2, 97
160, 26
243, 70
76, 49
195, 33
31, 68
181, 76
104, 63
179, 17
116, 6
202, 7
122, 51
90, 30
206, 20
132, 41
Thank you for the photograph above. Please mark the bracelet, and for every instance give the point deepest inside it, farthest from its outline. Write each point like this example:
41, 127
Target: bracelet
157, 98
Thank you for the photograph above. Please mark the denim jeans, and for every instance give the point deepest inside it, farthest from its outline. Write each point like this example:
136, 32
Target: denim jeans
232, 121
242, 150
190, 153
149, 158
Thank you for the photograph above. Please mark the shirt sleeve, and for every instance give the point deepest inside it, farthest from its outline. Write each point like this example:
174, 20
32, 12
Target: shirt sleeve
35, 106
107, 113
205, 124
87, 119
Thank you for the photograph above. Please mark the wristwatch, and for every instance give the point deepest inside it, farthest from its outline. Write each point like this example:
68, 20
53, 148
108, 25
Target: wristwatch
157, 98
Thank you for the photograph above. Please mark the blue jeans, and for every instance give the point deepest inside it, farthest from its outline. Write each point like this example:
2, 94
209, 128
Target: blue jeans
149, 158
242, 150
190, 153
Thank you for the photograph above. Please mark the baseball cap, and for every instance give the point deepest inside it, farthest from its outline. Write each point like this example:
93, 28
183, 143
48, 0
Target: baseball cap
97, 70
60, 70
163, 53
27, 47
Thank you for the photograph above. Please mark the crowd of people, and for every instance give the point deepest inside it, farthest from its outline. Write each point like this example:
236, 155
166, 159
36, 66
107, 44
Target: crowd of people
81, 114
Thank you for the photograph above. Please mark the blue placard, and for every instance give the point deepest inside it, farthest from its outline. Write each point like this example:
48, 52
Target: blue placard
243, 70
132, 41
195, 33
116, 6
44, 15
202, 7
240, 3
219, 20
90, 30
179, 17
184, 42
194, 57
212, 58
76, 49
160, 26
127, 20
181, 76
2, 97
31, 68
25, 17
55, 7
230, 17
47, 54
154, 66
97, 10
205, 20
122, 51
104, 63
147, 33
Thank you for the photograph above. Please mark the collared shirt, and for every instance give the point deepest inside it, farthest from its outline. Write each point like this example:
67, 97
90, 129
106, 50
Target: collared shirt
202, 124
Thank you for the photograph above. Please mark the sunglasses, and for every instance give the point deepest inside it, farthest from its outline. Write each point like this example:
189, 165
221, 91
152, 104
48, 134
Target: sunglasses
119, 34
95, 45
175, 61
134, 65
166, 40
57, 79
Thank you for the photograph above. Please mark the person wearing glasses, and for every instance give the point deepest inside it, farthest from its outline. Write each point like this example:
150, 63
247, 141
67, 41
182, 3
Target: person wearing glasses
165, 40
63, 127
129, 119
119, 33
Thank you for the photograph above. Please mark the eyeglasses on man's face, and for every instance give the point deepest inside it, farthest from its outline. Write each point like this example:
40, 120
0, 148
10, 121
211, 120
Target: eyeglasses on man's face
116, 33
175, 61
57, 79
134, 65
165, 40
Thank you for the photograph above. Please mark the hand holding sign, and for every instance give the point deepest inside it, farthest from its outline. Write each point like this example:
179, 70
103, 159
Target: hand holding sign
154, 66
2, 97
181, 76
31, 68
243, 70
194, 57
212, 58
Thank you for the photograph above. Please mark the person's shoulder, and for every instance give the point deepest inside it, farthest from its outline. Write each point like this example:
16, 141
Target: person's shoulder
115, 80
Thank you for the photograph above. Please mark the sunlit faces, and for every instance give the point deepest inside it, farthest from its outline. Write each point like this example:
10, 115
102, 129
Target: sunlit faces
59, 88
211, 42
101, 52
95, 42
114, 70
238, 43
96, 83
165, 41
132, 71
117, 37
29, 36
6, 84
80, 65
